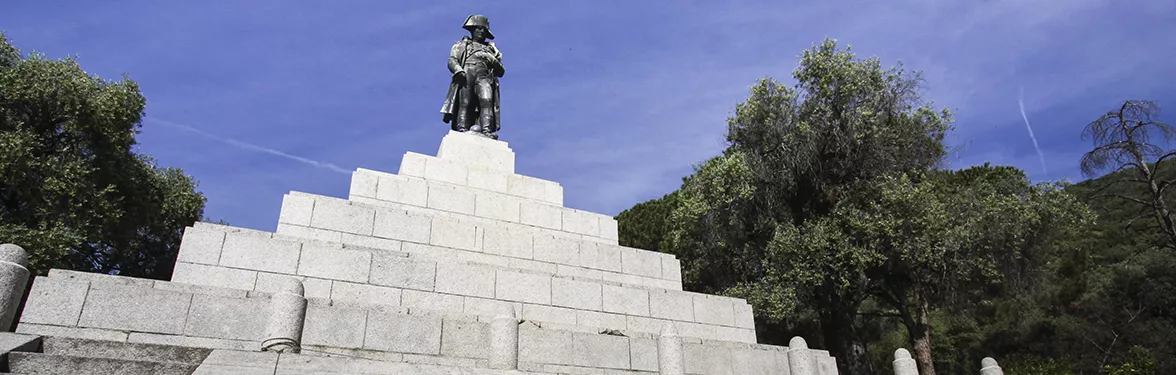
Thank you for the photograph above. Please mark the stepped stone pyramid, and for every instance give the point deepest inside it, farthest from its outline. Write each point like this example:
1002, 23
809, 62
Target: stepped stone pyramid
455, 265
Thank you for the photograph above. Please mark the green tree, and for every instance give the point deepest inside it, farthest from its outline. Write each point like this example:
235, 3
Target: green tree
644, 225
72, 190
795, 153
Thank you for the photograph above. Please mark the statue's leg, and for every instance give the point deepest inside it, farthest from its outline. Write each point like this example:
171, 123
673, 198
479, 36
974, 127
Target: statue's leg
485, 93
464, 107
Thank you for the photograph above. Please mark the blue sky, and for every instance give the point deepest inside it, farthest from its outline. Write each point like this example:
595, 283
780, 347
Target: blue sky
613, 99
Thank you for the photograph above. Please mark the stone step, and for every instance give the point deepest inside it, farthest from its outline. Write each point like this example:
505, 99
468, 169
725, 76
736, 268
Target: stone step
54, 364
252, 260
75, 347
406, 228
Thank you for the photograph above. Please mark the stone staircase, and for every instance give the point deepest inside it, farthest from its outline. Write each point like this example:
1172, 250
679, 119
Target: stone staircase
456, 265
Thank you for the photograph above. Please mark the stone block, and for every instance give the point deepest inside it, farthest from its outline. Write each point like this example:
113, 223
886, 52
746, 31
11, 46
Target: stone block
625, 300
671, 269
199, 289
671, 305
353, 241
540, 214
486, 309
400, 225
334, 327
522, 287
55, 302
201, 246
555, 194
643, 354
581, 273
71, 332
509, 243
580, 222
705, 359
334, 263
200, 274
713, 310
641, 324
641, 263
452, 233
744, 316
191, 342
602, 351
135, 309
400, 272
576, 294
466, 339
601, 320
291, 232
445, 171
459, 199
413, 164
403, 189
99, 278
365, 294
608, 228
539, 345
227, 318
429, 301
260, 254
403, 333
754, 362
363, 183
480, 152
314, 288
497, 206
549, 314
488, 180
559, 250
341, 216
296, 209
465, 280
600, 256
526, 187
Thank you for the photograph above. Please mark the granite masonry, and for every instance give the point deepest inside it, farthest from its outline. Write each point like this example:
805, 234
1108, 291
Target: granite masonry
454, 265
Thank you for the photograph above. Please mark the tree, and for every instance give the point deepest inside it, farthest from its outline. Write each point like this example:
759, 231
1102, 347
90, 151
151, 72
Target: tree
72, 191
644, 225
795, 152
1123, 143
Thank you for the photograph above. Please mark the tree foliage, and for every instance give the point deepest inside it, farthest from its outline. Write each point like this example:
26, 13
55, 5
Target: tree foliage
73, 192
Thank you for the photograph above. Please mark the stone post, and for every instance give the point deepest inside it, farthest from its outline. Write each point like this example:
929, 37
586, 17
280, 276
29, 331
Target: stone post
904, 364
14, 276
671, 357
504, 340
800, 358
287, 315
988, 366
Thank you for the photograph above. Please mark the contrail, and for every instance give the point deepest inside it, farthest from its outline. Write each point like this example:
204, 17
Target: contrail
248, 146
1021, 103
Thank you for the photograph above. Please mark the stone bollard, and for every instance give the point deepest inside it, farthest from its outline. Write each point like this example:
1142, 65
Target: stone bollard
287, 315
904, 364
671, 357
800, 358
988, 366
504, 340
14, 276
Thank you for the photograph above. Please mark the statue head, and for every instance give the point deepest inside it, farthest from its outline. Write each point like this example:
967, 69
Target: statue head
479, 27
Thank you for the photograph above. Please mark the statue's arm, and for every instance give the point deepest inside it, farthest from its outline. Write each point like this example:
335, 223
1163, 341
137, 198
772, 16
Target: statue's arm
501, 70
455, 58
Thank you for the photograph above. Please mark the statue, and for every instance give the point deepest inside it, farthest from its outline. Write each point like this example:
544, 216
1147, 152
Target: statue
472, 104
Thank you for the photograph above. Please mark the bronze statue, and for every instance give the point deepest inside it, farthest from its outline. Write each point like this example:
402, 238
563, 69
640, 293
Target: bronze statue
472, 103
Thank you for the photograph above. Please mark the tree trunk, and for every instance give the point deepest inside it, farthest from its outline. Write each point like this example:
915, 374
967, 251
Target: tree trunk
844, 340
919, 329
